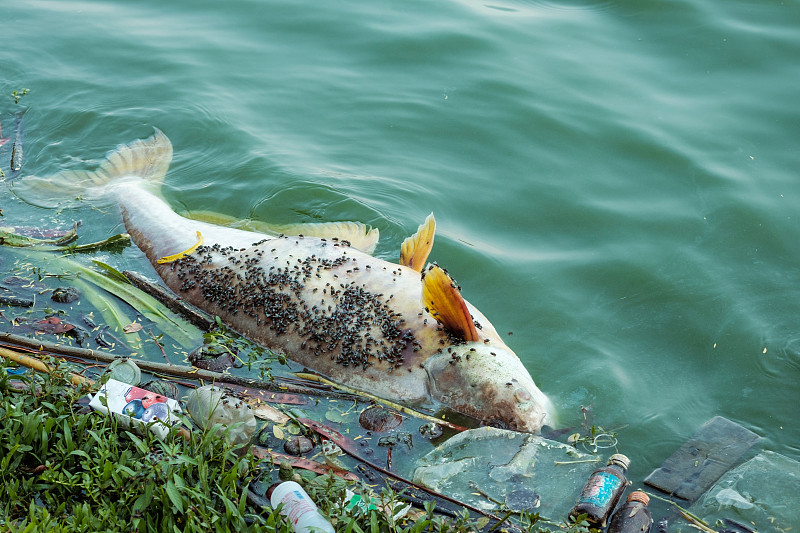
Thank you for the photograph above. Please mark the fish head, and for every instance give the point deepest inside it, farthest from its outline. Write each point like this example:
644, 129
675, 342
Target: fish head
490, 383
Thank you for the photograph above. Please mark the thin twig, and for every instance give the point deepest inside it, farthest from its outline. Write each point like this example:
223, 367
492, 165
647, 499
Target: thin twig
594, 460
150, 332
181, 371
474, 486
694, 519
509, 513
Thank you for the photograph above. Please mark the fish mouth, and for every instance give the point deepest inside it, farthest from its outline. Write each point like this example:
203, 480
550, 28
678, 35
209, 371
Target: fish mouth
517, 410
492, 388
525, 416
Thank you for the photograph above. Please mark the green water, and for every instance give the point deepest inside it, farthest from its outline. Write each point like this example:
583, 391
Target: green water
614, 182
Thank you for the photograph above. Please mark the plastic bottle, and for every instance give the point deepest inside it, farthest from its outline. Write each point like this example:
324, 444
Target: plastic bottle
602, 491
298, 508
633, 517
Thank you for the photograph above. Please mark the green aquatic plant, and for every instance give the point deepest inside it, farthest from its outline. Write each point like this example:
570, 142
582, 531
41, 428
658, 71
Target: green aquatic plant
595, 439
65, 470
17, 95
221, 340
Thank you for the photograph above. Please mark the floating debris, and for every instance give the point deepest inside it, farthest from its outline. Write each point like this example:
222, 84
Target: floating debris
16, 149
522, 500
378, 418
106, 339
210, 405
162, 387
65, 295
53, 325
126, 371
431, 430
393, 440
298, 445
212, 357
15, 301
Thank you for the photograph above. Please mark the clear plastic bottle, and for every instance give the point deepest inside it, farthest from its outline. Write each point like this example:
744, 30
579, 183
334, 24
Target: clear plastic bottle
633, 516
602, 491
298, 508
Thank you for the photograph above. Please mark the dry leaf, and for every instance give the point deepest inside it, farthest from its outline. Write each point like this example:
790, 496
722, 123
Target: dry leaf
53, 325
133, 327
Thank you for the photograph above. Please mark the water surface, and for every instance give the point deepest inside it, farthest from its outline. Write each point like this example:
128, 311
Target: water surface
615, 183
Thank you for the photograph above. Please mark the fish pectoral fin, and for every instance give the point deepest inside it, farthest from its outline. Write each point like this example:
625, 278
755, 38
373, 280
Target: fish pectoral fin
415, 250
360, 236
444, 302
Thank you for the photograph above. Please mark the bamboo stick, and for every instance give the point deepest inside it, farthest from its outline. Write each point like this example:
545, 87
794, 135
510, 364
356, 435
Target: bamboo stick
39, 366
182, 371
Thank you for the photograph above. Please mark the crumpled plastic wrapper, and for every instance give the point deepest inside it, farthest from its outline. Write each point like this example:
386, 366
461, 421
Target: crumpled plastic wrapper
211, 405
500, 463
764, 491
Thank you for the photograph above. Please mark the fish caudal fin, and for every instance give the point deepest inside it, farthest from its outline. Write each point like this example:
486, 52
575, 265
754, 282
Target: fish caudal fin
415, 250
147, 159
444, 302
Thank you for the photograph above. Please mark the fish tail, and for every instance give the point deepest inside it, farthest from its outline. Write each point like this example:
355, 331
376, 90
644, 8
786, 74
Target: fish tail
146, 159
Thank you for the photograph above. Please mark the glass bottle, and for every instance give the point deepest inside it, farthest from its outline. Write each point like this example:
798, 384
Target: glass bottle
633, 516
602, 491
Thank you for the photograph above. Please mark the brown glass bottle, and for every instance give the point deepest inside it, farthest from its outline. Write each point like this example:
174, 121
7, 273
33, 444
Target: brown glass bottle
633, 516
602, 491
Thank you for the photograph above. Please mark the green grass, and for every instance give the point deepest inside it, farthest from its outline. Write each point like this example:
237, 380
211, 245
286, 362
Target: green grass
63, 470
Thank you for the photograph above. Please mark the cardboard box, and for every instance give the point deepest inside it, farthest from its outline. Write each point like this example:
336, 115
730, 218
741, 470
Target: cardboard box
137, 408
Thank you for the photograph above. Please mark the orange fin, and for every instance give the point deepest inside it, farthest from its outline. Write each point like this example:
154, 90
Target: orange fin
415, 250
445, 303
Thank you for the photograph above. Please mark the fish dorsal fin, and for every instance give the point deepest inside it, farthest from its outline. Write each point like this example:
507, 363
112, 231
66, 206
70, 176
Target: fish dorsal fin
445, 303
415, 250
360, 236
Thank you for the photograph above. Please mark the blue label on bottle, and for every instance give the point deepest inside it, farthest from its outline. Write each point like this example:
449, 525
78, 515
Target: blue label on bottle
600, 489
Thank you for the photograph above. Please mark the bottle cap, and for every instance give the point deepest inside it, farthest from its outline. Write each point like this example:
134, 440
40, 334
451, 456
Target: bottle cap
639, 496
619, 459
271, 489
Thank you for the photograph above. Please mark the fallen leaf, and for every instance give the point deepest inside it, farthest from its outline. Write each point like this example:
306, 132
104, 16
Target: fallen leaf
133, 327
53, 324
266, 412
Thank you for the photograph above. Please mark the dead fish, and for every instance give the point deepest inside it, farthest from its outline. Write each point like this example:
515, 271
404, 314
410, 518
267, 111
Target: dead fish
399, 331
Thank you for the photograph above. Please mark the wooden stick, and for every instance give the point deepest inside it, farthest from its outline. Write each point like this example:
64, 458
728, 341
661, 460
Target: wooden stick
182, 371
200, 319
39, 366
396, 406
